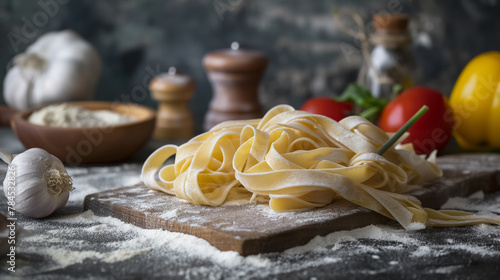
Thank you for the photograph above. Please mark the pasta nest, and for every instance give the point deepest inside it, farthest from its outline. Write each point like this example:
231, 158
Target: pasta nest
300, 161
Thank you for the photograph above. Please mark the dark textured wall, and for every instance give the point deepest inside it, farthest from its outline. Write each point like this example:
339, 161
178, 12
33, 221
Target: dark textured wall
308, 55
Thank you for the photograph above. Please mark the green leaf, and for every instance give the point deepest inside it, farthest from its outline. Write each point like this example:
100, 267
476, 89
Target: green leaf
370, 106
356, 94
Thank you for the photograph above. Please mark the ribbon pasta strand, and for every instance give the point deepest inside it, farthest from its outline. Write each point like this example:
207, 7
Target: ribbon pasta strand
299, 161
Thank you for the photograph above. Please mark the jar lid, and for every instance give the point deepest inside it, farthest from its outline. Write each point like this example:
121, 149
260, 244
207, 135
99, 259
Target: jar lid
235, 59
391, 23
171, 82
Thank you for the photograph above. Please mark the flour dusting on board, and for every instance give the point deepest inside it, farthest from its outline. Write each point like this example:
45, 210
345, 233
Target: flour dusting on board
228, 216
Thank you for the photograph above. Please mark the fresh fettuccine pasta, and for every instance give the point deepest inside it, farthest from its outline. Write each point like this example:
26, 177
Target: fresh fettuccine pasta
301, 160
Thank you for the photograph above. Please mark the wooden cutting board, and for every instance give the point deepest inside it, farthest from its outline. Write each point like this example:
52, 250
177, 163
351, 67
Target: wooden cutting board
252, 228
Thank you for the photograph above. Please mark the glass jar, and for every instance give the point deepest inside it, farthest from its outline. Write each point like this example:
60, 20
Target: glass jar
391, 61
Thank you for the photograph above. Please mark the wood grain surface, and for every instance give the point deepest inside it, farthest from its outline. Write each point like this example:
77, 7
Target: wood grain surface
252, 228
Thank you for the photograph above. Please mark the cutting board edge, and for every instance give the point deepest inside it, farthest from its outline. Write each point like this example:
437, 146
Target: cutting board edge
488, 182
270, 243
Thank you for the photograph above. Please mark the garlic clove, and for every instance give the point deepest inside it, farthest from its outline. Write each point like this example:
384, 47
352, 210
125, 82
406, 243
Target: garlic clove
42, 184
35, 203
63, 199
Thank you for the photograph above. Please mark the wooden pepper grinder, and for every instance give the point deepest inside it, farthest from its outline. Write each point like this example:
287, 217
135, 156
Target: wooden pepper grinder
173, 91
235, 75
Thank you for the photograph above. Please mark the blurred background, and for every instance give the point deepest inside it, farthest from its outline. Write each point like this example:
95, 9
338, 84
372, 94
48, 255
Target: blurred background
308, 55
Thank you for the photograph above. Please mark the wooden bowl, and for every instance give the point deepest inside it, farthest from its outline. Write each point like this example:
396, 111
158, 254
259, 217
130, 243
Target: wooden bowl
89, 145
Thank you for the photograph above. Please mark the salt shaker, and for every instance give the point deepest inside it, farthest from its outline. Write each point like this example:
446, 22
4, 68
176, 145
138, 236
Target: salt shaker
235, 75
173, 92
392, 61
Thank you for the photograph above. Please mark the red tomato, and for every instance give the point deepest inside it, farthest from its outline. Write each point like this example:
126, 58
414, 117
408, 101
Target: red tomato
432, 131
327, 107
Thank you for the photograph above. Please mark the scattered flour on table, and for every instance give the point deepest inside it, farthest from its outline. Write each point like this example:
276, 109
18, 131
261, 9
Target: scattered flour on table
368, 232
72, 230
475, 202
102, 178
71, 240
138, 241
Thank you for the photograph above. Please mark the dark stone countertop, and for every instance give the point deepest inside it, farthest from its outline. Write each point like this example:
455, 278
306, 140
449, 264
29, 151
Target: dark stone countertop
72, 244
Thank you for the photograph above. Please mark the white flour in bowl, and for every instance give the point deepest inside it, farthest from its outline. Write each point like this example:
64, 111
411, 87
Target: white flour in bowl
65, 115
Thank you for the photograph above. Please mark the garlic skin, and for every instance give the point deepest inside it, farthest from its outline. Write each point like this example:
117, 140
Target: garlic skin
41, 181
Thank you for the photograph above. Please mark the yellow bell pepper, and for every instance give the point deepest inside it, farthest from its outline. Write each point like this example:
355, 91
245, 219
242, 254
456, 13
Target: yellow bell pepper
475, 101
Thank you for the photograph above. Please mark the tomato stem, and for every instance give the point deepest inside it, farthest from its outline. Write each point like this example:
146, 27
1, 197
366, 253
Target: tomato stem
403, 129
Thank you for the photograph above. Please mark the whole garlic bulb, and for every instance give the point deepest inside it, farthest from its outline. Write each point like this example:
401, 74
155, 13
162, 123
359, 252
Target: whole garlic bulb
57, 67
41, 183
